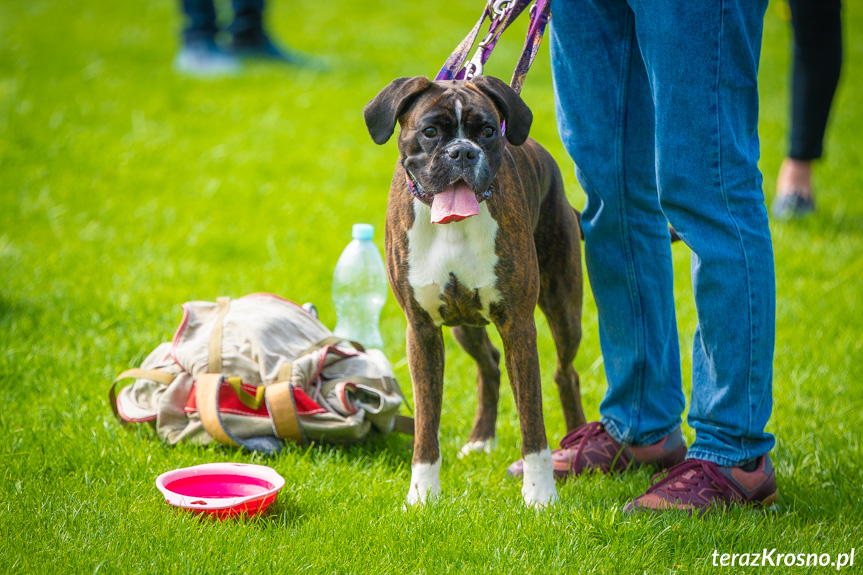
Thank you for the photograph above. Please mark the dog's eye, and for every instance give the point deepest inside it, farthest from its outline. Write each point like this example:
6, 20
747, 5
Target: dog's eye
487, 132
430, 132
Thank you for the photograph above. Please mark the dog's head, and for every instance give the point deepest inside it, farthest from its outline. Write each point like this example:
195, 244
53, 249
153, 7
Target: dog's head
450, 140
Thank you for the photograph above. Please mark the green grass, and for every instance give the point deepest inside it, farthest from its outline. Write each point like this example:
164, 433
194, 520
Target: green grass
126, 190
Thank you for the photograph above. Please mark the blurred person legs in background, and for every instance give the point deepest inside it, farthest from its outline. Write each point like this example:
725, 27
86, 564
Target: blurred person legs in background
817, 28
201, 55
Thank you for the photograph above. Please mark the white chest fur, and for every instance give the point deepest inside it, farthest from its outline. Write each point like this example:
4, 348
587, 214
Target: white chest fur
464, 249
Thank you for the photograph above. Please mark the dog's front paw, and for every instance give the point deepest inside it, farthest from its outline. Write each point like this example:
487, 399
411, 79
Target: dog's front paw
425, 482
539, 489
471, 447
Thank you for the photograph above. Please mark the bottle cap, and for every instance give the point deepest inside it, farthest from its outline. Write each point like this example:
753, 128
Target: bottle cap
363, 231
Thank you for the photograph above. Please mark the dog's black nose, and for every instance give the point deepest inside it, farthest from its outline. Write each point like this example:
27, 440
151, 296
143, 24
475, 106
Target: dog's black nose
462, 155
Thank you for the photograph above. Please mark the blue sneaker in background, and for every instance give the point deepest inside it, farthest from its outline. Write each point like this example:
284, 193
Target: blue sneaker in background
205, 60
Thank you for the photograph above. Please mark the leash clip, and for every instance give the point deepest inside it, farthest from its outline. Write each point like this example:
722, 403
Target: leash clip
499, 6
498, 9
474, 67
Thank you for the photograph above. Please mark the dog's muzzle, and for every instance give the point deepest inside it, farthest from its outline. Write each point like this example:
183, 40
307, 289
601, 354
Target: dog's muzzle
452, 203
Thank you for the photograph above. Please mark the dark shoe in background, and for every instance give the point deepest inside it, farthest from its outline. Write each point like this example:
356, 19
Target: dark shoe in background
792, 205
259, 46
205, 60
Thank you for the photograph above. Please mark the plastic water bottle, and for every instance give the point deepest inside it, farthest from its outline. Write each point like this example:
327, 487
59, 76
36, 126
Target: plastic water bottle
360, 289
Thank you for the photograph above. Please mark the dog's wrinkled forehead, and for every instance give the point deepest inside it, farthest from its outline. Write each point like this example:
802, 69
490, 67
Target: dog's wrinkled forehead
453, 106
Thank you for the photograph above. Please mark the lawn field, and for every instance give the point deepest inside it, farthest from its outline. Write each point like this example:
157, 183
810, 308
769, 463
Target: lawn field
126, 190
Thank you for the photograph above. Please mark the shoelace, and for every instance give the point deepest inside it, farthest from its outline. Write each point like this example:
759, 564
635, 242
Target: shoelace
580, 437
586, 431
675, 479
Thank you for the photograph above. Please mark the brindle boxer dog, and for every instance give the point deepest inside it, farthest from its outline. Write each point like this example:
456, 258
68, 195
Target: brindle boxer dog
479, 231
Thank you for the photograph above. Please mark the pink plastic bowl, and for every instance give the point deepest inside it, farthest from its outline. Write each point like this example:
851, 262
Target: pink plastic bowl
222, 489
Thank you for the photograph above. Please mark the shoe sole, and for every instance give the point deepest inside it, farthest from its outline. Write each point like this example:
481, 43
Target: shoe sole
770, 500
766, 504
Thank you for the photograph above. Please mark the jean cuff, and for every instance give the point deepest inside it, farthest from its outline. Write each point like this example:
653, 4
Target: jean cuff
649, 439
719, 460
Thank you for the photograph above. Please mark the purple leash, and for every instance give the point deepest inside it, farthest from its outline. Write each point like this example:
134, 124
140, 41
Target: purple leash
539, 18
502, 14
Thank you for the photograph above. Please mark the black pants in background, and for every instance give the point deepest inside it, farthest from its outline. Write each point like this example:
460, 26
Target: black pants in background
817, 62
201, 22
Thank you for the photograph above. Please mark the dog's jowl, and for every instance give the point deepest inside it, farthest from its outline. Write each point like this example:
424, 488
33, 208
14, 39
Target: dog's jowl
479, 231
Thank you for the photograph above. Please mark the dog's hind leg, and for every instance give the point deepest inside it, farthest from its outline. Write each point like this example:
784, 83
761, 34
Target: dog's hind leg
560, 299
566, 330
476, 343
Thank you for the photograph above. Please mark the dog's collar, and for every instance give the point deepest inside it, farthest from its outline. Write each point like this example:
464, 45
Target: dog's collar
418, 193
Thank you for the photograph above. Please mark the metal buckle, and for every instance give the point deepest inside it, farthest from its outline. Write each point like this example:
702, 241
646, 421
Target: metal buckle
474, 67
533, 9
500, 6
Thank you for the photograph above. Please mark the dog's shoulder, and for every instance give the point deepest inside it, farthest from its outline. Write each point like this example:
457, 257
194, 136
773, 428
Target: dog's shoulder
531, 157
527, 176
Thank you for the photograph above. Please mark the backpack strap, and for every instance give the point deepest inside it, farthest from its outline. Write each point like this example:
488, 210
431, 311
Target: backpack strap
332, 340
404, 424
286, 369
136, 373
207, 387
283, 411
214, 358
280, 404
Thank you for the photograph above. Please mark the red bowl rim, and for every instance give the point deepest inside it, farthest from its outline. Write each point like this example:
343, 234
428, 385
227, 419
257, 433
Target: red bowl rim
218, 503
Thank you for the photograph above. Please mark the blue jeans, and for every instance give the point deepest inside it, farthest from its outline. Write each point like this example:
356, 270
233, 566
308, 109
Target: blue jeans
657, 103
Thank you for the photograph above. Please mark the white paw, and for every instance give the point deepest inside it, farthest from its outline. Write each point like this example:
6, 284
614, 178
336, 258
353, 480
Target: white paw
539, 489
425, 482
472, 447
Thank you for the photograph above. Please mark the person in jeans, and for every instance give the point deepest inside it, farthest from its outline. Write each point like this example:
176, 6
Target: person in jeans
200, 55
817, 65
657, 104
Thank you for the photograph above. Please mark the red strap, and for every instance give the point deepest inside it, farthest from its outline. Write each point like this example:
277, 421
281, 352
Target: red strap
230, 403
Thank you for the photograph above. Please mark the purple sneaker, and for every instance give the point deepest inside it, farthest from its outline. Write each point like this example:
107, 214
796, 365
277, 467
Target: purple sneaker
591, 448
698, 485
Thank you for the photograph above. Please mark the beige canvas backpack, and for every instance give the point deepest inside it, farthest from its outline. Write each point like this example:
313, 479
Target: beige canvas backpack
256, 371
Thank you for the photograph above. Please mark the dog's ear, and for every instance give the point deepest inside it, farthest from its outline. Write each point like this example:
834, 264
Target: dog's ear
510, 105
391, 104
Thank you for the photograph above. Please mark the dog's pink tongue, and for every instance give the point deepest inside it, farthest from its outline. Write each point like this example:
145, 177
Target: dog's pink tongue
454, 204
